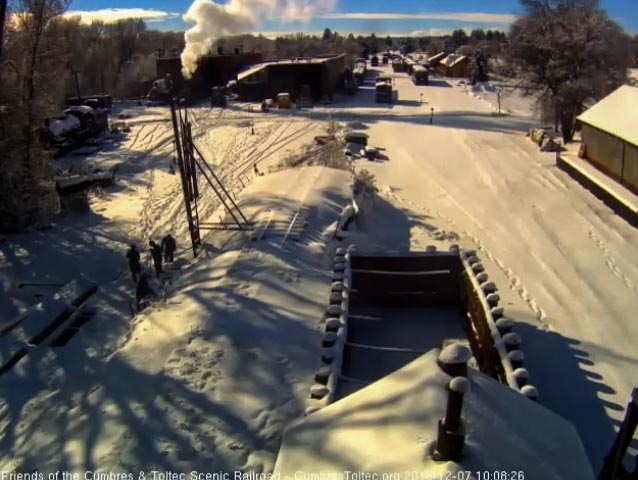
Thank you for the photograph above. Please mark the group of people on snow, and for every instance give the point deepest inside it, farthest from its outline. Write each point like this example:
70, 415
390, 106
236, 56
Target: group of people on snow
164, 251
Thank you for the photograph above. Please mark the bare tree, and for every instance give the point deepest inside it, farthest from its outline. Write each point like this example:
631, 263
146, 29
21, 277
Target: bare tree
30, 91
570, 51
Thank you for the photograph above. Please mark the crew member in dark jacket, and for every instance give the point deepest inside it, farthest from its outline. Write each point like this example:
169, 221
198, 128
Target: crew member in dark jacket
156, 253
143, 291
134, 265
169, 246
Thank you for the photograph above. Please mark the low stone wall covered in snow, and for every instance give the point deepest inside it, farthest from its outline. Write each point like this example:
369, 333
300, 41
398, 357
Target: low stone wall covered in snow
495, 346
333, 342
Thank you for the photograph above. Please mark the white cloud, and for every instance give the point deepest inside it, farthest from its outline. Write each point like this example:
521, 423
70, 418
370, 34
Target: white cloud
455, 16
112, 15
427, 32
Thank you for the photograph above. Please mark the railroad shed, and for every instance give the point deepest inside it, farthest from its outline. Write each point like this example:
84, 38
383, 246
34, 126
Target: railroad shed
455, 66
610, 135
434, 60
323, 74
212, 70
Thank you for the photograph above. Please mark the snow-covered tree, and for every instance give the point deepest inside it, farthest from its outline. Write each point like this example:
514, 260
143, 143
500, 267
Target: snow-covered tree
31, 87
570, 51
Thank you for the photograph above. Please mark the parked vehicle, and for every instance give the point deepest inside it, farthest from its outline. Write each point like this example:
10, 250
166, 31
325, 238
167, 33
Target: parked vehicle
369, 152
351, 149
358, 138
159, 92
96, 102
61, 133
420, 75
375, 61
383, 90
397, 65
92, 122
74, 126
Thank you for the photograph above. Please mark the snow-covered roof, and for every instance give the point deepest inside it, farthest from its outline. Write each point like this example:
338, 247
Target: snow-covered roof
79, 108
452, 59
250, 71
388, 426
616, 114
286, 61
436, 58
64, 124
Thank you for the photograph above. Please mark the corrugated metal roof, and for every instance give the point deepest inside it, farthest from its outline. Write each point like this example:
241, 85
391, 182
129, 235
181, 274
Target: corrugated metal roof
616, 114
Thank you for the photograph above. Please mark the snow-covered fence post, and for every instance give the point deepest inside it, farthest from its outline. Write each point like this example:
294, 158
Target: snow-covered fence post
504, 325
522, 376
516, 358
453, 360
450, 439
342, 332
488, 325
530, 392
333, 341
512, 341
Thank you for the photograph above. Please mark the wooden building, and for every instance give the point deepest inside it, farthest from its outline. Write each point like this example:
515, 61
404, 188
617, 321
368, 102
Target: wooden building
455, 66
324, 75
434, 60
610, 135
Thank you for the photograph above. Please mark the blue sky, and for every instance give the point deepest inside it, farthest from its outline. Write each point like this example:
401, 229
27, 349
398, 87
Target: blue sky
419, 17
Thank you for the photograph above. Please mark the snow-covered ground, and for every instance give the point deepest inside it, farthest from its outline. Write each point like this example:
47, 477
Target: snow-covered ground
566, 265
209, 379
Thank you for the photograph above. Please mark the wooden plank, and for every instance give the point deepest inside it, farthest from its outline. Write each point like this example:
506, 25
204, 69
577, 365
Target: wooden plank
380, 283
75, 292
406, 299
408, 263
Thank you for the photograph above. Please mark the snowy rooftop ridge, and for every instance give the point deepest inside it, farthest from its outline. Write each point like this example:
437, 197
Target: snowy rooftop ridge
452, 59
389, 425
285, 61
616, 114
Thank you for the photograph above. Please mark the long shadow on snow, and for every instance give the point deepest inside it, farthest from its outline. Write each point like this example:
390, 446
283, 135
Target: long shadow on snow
66, 377
567, 380
467, 120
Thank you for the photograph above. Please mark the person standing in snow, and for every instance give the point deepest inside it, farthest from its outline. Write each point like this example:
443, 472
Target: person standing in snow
143, 291
169, 246
134, 265
156, 253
